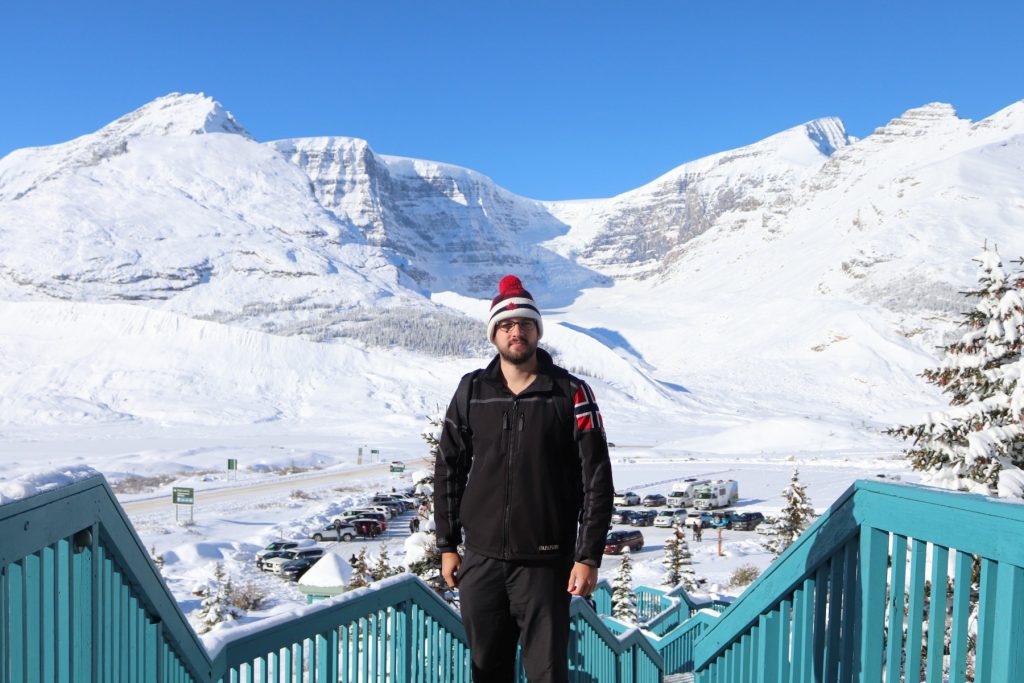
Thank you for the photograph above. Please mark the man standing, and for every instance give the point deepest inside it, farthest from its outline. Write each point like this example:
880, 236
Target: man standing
522, 467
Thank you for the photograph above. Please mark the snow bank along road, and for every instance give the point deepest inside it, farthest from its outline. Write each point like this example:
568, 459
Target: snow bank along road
278, 486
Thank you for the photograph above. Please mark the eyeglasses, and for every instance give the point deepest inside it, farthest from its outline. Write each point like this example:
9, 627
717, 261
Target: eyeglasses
524, 325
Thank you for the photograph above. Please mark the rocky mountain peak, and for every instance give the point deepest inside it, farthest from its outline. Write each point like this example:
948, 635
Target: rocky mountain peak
175, 114
24, 170
936, 116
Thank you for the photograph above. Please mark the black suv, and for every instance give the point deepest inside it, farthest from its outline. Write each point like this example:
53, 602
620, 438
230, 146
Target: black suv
746, 521
643, 518
294, 569
617, 540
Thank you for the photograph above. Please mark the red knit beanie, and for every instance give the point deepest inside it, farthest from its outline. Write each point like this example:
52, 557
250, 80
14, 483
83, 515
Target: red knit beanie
513, 301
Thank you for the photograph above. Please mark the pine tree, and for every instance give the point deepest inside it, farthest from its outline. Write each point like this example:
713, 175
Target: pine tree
689, 576
428, 567
673, 561
360, 571
432, 433
382, 568
978, 442
218, 605
782, 531
623, 598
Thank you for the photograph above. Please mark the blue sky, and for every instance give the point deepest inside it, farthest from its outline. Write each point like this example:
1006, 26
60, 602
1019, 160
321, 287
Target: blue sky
554, 100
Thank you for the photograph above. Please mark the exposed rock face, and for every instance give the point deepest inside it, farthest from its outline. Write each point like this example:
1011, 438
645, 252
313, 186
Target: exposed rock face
643, 232
453, 228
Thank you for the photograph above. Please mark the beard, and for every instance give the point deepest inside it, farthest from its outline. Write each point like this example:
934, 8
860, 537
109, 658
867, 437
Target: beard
518, 355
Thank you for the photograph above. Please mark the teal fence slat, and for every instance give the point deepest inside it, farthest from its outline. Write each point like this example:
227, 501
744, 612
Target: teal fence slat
937, 614
1007, 652
986, 620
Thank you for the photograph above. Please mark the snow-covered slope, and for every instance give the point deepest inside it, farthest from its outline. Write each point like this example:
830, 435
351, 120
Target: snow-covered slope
176, 207
170, 269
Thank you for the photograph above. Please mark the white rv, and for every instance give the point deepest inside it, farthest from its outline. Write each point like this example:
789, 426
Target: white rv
716, 494
682, 492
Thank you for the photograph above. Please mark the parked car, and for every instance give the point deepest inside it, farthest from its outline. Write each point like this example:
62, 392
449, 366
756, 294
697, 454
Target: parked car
643, 518
277, 549
704, 518
364, 513
263, 563
403, 502
722, 519
274, 546
667, 518
747, 521
617, 540
294, 569
367, 527
622, 516
627, 498
335, 532
654, 500
394, 507
275, 565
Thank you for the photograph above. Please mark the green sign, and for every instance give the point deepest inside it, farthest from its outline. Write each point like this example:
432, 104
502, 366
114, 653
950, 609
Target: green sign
181, 495
374, 451
232, 464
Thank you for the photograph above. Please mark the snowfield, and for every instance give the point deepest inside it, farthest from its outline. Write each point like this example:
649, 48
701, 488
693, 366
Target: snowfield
174, 294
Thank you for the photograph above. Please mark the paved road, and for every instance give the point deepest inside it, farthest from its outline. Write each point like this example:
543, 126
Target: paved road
263, 489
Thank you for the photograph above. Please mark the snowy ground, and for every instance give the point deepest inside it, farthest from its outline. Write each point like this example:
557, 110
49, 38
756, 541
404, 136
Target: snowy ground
237, 514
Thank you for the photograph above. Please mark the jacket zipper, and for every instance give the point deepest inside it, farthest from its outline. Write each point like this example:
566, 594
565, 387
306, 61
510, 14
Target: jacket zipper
513, 441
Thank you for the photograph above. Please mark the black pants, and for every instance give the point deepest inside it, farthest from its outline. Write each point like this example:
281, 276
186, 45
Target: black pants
505, 603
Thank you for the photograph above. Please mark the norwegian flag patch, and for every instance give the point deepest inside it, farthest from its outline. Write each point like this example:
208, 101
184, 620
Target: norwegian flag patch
588, 416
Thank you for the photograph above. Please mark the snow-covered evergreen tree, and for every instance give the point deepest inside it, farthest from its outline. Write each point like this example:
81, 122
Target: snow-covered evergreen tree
218, 605
382, 568
623, 598
432, 435
792, 521
689, 576
360, 571
673, 561
978, 443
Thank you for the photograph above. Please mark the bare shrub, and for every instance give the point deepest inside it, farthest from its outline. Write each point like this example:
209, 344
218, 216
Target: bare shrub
744, 575
248, 597
136, 484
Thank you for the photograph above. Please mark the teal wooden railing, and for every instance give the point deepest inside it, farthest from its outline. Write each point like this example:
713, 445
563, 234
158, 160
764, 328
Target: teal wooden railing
884, 586
81, 601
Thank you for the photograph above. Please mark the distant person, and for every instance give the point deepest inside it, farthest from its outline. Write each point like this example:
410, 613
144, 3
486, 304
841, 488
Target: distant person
698, 529
414, 525
533, 436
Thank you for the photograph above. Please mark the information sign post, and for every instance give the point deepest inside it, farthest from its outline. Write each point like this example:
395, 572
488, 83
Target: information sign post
181, 495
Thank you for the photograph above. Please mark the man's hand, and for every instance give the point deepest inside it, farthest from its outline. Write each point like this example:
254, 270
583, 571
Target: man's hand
450, 563
582, 579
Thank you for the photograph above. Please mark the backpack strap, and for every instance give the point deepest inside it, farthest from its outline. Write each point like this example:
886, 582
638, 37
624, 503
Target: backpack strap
564, 405
463, 397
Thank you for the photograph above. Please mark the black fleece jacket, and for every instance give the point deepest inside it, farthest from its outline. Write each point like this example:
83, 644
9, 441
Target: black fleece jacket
529, 477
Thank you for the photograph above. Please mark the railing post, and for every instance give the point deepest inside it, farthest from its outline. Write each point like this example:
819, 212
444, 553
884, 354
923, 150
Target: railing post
1007, 653
897, 589
768, 647
986, 620
874, 556
403, 641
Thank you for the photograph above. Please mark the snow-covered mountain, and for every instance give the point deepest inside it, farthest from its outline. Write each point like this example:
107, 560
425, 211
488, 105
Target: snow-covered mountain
808, 276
